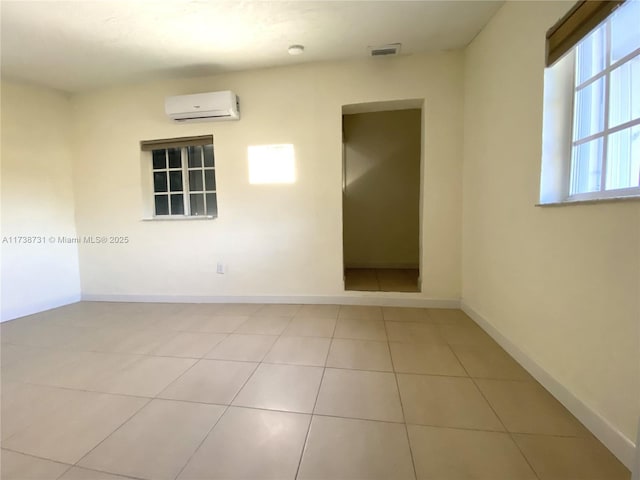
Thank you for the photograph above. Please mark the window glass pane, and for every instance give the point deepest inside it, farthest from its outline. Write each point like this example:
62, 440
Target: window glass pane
177, 204
195, 180
589, 110
162, 204
175, 181
159, 181
624, 97
174, 158
208, 156
209, 179
159, 159
586, 167
197, 204
195, 157
623, 159
625, 30
590, 55
212, 204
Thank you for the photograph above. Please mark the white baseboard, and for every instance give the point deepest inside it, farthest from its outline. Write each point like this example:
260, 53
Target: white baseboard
23, 311
384, 299
621, 446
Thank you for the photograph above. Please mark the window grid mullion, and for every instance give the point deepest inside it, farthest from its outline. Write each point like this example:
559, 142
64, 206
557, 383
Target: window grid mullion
607, 131
607, 91
185, 180
609, 67
166, 172
204, 186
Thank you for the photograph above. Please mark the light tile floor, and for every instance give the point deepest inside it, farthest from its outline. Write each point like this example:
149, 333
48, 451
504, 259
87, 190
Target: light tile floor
105, 391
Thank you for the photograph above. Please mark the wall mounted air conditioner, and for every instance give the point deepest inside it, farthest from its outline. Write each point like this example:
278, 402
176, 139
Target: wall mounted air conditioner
203, 107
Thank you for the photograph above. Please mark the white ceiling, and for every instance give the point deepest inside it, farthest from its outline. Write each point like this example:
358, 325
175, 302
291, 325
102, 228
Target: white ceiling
81, 45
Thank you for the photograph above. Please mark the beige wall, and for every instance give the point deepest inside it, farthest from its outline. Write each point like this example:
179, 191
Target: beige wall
37, 200
279, 240
382, 189
562, 284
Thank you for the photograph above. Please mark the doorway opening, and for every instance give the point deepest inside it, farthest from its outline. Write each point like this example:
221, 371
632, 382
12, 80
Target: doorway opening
381, 195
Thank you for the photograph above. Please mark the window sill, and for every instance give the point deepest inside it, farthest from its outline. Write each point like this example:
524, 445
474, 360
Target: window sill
566, 203
179, 219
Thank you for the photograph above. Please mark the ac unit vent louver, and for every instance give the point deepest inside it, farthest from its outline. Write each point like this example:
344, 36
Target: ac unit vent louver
385, 50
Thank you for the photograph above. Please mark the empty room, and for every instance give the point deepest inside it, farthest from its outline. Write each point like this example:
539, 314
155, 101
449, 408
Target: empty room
329, 240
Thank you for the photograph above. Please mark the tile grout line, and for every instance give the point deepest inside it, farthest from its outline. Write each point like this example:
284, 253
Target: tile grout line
395, 376
109, 435
324, 369
498, 417
216, 422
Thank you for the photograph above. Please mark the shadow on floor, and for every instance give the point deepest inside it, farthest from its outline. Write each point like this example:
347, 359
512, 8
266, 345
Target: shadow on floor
382, 279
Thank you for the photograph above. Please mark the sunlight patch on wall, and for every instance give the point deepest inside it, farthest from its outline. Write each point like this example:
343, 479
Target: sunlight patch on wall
270, 164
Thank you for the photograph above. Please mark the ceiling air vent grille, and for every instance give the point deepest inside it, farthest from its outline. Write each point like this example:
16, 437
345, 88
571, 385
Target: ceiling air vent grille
385, 50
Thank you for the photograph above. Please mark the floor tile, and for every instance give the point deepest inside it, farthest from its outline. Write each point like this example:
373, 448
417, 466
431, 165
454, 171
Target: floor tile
445, 402
250, 348
425, 359
77, 473
189, 345
41, 334
339, 448
318, 311
397, 280
359, 394
88, 370
311, 327
489, 361
239, 309
361, 279
360, 329
411, 332
250, 444
562, 458
281, 387
451, 316
39, 363
157, 442
360, 312
12, 354
141, 342
465, 335
264, 325
23, 405
210, 381
310, 351
76, 427
359, 355
526, 407
447, 453
16, 466
278, 310
405, 314
217, 324
147, 377
175, 322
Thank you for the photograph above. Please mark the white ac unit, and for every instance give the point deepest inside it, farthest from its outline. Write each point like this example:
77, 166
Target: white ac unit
203, 107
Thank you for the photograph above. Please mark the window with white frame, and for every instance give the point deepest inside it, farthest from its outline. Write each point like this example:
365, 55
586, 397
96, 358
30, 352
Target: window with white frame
183, 177
606, 128
592, 105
